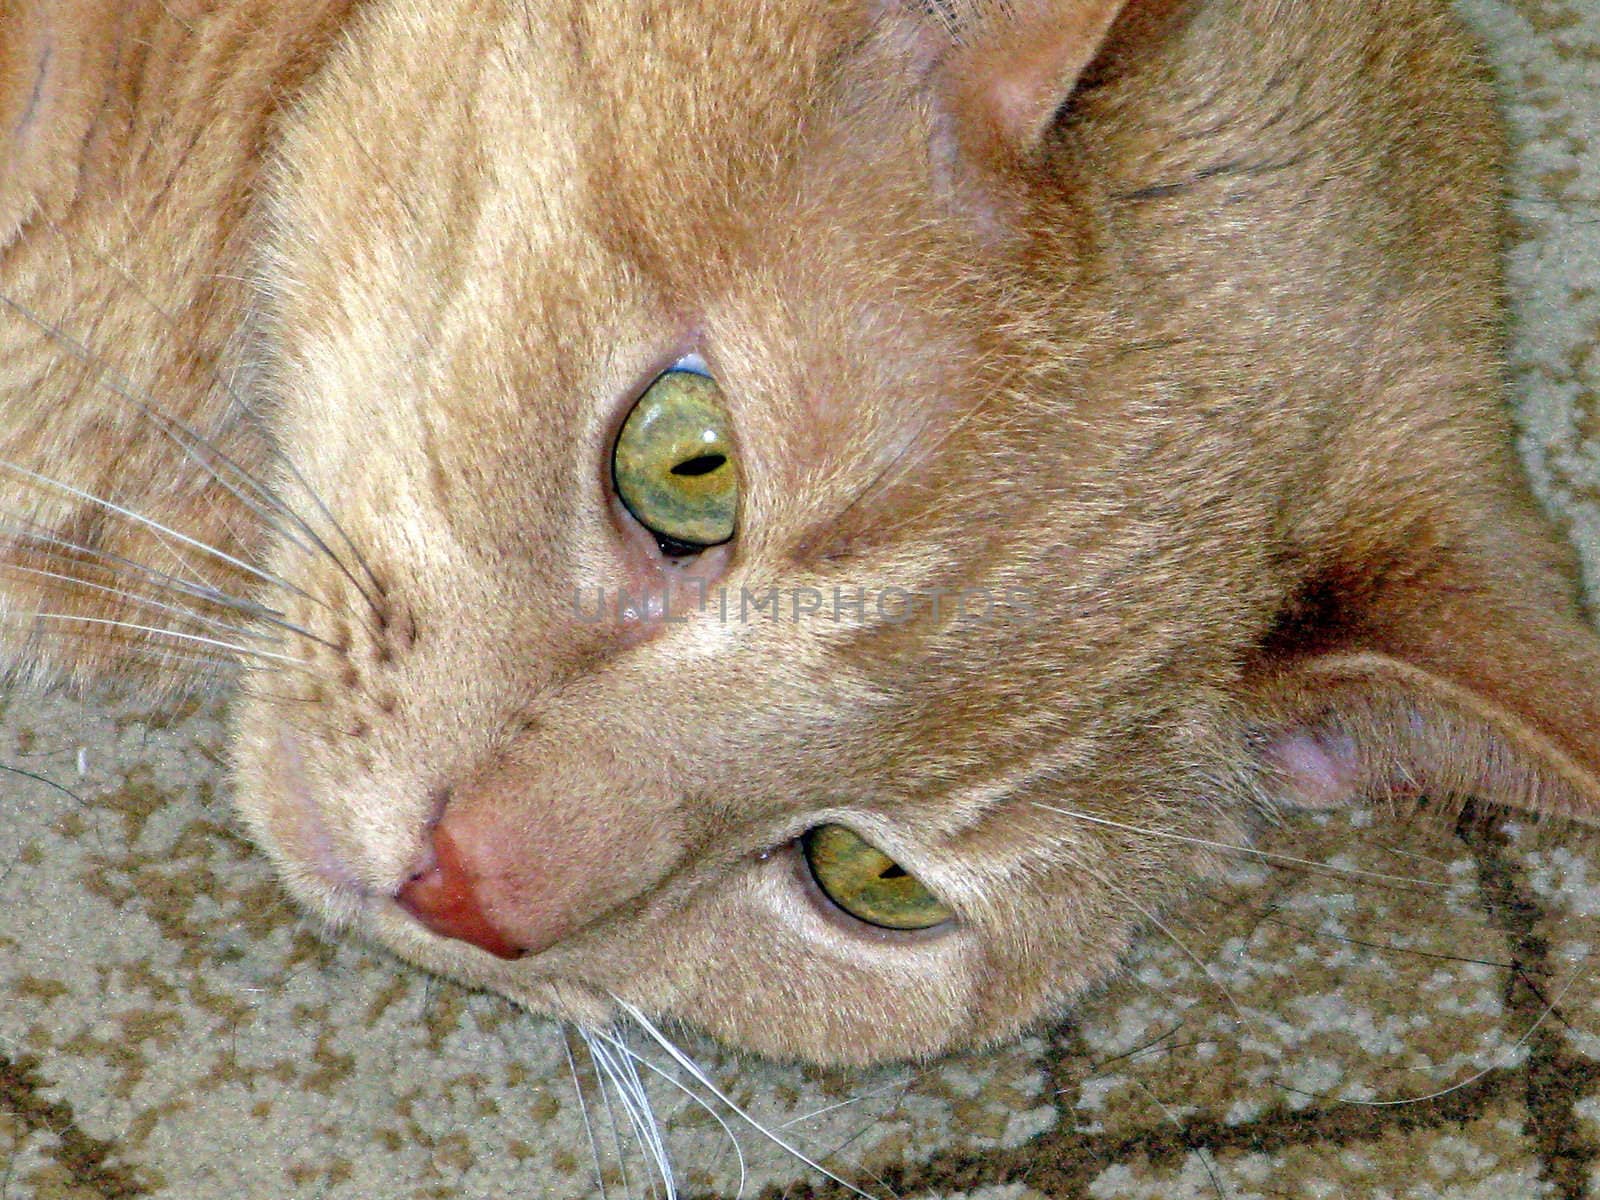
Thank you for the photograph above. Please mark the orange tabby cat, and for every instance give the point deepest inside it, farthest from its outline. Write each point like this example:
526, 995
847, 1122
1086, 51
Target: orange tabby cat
810, 518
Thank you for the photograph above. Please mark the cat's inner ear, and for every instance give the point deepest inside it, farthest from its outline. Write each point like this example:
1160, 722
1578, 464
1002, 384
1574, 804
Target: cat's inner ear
1450, 676
1003, 69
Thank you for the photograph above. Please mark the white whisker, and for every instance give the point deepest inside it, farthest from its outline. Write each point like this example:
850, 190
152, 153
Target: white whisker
1250, 851
626, 1087
187, 440
196, 639
38, 537
699, 1076
191, 442
583, 1109
143, 601
689, 1093
156, 526
116, 564
161, 659
604, 1082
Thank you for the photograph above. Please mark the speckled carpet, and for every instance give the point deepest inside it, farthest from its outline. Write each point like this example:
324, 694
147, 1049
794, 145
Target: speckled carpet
170, 1028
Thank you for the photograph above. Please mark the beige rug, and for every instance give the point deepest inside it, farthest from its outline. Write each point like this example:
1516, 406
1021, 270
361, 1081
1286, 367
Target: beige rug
170, 1028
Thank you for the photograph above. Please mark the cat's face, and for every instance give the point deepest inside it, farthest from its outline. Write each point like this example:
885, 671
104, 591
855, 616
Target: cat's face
985, 571
465, 311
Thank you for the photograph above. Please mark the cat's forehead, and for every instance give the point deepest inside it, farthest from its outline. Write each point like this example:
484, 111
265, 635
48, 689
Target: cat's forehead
691, 123
486, 252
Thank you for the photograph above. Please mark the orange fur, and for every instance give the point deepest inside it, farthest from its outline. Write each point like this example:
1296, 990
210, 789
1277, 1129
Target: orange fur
1177, 329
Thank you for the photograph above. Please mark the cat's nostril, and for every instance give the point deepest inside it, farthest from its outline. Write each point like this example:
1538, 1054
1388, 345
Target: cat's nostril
442, 897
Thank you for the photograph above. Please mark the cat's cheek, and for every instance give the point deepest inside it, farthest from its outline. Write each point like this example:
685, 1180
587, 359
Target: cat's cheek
282, 817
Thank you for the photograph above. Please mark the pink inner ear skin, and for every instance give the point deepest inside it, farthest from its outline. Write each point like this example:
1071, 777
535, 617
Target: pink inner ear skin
1022, 63
1322, 771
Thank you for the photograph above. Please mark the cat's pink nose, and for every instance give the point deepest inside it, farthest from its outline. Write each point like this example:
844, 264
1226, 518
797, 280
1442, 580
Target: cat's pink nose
444, 899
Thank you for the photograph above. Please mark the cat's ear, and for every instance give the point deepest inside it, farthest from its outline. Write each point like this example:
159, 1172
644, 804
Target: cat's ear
1445, 674
1000, 71
1005, 68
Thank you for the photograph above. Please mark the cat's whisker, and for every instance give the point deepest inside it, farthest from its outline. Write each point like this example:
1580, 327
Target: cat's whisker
860, 1098
48, 782
190, 441
583, 1104
157, 527
1160, 1044
695, 1072
620, 1079
115, 564
245, 690
157, 657
1304, 864
1522, 971
1502, 1060
355, 551
653, 1135
268, 500
607, 1086
689, 1093
1205, 968
143, 601
243, 652
1200, 1152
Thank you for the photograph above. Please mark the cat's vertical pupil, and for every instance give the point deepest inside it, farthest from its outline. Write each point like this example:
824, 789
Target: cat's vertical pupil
703, 464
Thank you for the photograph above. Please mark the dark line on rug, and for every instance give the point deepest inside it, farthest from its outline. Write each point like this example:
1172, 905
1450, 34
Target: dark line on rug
1062, 1163
84, 1158
1555, 1077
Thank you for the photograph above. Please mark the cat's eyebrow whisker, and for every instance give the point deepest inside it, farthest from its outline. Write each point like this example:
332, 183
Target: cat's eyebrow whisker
1268, 856
695, 1072
1160, 1044
1523, 972
1200, 1152
1500, 1061
1183, 948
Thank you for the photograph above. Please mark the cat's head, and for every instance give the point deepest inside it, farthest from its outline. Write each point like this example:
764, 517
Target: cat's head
794, 528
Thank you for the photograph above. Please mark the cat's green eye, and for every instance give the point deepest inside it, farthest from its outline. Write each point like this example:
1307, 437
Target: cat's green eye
673, 463
867, 883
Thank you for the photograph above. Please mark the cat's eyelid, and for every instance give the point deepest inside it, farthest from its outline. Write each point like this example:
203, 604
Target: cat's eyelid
692, 363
